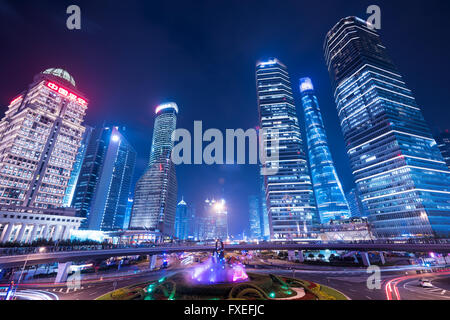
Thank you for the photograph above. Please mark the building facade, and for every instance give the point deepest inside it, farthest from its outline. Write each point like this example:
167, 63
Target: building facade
72, 184
26, 224
39, 139
289, 193
155, 196
443, 141
184, 220
255, 219
105, 180
330, 197
399, 171
355, 205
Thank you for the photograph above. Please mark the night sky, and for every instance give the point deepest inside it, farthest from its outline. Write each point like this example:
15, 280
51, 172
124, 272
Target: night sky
130, 56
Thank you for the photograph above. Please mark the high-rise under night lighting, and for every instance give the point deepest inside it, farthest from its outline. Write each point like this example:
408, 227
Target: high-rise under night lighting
330, 196
399, 171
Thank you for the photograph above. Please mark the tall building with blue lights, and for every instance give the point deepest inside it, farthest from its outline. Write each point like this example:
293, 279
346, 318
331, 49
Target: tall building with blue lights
443, 141
355, 204
255, 217
289, 193
105, 179
399, 171
330, 197
72, 183
185, 216
155, 196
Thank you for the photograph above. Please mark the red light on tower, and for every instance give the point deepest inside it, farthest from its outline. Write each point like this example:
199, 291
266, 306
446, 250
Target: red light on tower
63, 91
81, 101
16, 99
52, 86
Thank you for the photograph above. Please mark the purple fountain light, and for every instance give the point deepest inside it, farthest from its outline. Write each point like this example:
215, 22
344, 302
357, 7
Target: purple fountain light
217, 271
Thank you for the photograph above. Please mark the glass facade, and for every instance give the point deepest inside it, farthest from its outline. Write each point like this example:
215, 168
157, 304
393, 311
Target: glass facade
105, 180
330, 197
72, 184
213, 222
289, 193
443, 141
355, 204
184, 220
255, 219
399, 171
40, 136
155, 196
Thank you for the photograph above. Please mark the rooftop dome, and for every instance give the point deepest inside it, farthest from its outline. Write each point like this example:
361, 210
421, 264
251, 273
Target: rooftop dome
60, 73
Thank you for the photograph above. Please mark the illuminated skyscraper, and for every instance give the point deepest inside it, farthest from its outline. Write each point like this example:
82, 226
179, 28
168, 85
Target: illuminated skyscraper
213, 222
155, 196
74, 176
40, 136
443, 141
330, 197
289, 193
184, 221
255, 217
102, 190
399, 171
355, 204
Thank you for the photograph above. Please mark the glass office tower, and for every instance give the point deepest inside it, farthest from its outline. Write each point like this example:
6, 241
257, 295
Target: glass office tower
104, 184
155, 196
255, 219
289, 193
330, 197
443, 141
355, 204
184, 221
74, 176
399, 171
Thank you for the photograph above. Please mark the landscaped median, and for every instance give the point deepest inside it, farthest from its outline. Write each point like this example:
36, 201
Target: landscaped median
258, 287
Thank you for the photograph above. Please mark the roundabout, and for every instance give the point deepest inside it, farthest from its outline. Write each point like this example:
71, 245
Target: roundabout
257, 287
219, 278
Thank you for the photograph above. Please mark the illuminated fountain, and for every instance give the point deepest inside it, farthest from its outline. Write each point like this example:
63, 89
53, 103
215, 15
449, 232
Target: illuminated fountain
217, 279
216, 270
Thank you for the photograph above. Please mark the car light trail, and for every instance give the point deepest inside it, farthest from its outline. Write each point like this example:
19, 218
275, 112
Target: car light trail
391, 287
34, 295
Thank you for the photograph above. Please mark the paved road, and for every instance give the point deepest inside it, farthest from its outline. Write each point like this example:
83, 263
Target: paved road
401, 281
407, 287
92, 289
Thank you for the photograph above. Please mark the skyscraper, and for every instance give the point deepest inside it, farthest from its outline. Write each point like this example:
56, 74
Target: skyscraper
102, 191
74, 176
443, 141
256, 230
184, 221
399, 171
40, 136
155, 197
355, 204
212, 223
330, 197
289, 193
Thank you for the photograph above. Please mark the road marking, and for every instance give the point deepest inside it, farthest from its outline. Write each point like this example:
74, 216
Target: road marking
369, 298
443, 291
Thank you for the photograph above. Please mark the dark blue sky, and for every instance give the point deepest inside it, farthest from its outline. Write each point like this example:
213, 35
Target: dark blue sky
132, 55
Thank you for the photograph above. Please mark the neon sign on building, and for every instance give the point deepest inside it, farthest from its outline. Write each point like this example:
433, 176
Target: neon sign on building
66, 93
